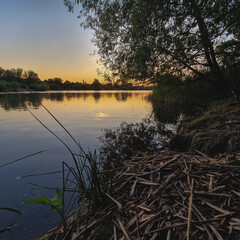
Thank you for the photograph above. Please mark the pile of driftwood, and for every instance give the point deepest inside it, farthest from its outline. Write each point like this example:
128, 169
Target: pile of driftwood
169, 196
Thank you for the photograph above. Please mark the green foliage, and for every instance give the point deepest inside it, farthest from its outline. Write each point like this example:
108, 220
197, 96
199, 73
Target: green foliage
190, 92
43, 86
2, 86
143, 39
170, 80
14, 85
55, 203
14, 78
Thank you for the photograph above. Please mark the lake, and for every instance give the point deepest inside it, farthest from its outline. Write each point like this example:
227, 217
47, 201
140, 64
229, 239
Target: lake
84, 114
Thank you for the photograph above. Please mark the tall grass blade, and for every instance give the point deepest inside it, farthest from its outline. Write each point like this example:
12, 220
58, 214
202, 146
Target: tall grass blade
10, 210
19, 159
41, 174
60, 125
75, 161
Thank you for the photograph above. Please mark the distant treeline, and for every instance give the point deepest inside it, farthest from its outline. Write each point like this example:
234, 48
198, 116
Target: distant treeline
13, 79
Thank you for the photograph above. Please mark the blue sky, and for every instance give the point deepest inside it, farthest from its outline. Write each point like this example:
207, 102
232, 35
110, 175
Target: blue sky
41, 35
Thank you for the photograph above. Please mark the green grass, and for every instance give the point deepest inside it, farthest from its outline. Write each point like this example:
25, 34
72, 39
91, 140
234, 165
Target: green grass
184, 94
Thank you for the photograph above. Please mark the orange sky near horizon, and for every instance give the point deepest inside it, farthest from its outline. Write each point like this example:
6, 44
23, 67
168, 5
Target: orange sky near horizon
43, 37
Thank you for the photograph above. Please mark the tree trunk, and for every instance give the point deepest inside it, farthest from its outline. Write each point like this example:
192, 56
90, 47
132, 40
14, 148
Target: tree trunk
221, 82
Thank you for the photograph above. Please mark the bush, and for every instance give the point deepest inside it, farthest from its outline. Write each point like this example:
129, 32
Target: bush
14, 85
2, 86
190, 92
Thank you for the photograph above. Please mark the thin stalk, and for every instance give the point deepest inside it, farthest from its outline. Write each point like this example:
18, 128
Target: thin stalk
75, 161
19, 159
60, 124
42, 174
62, 213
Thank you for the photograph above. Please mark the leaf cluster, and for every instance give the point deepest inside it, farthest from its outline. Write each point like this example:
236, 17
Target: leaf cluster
140, 40
56, 203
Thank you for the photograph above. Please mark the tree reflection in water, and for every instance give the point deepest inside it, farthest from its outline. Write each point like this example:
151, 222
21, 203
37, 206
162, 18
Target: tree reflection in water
20, 101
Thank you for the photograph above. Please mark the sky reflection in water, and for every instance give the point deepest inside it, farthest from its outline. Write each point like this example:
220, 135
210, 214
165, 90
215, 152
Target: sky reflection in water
84, 114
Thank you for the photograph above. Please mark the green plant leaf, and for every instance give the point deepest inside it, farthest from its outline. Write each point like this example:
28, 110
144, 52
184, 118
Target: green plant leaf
55, 203
42, 199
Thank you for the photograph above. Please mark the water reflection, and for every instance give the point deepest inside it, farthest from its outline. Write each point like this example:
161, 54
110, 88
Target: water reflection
84, 114
166, 114
102, 115
163, 113
19, 101
34, 100
96, 96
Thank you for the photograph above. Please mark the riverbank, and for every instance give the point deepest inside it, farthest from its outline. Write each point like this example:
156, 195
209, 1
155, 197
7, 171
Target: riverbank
167, 195
216, 131
173, 195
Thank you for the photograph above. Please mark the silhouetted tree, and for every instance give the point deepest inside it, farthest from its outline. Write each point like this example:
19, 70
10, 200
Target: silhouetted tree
55, 83
140, 39
96, 85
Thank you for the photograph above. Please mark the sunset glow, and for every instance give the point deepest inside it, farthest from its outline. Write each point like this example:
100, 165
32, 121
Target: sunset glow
42, 36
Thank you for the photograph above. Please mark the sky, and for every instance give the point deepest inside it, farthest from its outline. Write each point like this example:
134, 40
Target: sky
41, 35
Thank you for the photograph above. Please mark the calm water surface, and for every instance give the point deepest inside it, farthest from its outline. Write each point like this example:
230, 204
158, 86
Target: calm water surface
84, 114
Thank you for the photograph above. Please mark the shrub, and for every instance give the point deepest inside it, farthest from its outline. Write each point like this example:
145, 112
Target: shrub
2, 86
14, 85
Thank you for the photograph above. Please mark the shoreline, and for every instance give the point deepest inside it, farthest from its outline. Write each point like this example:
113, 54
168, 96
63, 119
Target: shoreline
65, 90
170, 193
167, 193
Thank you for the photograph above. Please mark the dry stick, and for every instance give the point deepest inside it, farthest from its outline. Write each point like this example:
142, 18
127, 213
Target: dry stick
154, 236
90, 226
114, 200
133, 188
167, 227
148, 183
217, 188
146, 223
190, 212
144, 208
169, 234
158, 169
237, 193
208, 193
123, 229
217, 234
133, 220
201, 217
110, 170
137, 223
218, 209
115, 232
204, 155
